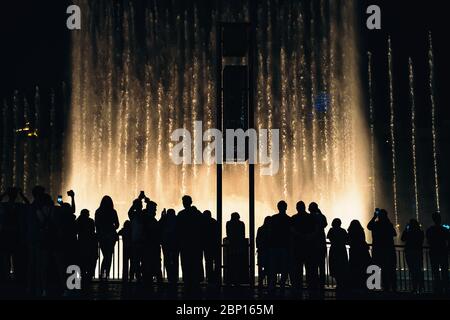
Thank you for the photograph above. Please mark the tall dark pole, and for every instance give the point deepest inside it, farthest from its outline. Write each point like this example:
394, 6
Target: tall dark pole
251, 113
220, 127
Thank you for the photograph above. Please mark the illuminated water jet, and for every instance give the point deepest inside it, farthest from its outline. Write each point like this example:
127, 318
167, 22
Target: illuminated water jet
413, 136
132, 87
372, 132
392, 131
433, 121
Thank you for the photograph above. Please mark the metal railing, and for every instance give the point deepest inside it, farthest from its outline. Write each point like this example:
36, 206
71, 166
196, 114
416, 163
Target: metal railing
404, 283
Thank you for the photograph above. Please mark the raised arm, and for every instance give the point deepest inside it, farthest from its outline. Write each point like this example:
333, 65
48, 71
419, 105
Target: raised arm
371, 224
71, 194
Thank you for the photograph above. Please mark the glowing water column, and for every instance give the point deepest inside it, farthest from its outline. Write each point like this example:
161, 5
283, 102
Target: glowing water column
372, 131
392, 127
413, 135
433, 122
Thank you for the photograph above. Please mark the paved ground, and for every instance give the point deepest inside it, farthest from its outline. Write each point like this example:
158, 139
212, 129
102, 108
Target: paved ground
118, 291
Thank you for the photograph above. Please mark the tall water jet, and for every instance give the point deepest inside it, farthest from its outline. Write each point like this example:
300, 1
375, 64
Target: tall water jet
433, 121
392, 130
412, 97
54, 187
372, 132
5, 144
38, 168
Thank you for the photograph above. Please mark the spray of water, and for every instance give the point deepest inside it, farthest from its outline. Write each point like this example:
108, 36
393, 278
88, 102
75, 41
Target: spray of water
125, 104
372, 132
433, 121
392, 128
412, 96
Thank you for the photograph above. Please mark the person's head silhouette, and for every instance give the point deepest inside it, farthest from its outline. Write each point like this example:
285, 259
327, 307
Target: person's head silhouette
437, 218
84, 213
235, 216
282, 207
137, 204
414, 224
170, 213
383, 216
66, 206
313, 208
301, 207
337, 223
267, 221
187, 202
106, 204
207, 214
151, 208
355, 226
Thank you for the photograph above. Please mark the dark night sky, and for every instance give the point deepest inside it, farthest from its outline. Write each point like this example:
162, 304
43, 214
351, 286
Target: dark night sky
35, 46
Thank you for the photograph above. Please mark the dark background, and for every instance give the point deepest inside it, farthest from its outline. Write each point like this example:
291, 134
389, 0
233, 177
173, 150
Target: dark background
35, 50
409, 23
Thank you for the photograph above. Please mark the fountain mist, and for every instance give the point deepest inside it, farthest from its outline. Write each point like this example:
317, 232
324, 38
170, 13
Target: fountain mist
132, 86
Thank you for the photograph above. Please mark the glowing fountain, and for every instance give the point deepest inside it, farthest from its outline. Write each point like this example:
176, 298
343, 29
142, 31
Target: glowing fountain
372, 133
392, 130
133, 86
433, 122
413, 136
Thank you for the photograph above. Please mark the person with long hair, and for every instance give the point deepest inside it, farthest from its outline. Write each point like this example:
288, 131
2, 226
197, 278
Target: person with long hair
383, 248
338, 254
359, 256
106, 223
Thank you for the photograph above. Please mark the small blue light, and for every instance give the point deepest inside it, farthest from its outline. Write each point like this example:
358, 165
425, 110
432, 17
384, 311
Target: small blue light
322, 102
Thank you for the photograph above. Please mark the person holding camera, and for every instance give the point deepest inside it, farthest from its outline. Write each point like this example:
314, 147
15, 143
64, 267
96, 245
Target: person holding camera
383, 250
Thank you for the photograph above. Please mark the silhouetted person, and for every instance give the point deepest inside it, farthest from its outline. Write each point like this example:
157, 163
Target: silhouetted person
189, 243
152, 248
170, 245
338, 253
413, 236
64, 234
383, 250
87, 246
438, 240
320, 244
136, 216
201, 269
13, 236
280, 228
107, 223
127, 250
303, 231
211, 247
34, 240
40, 241
262, 245
236, 250
359, 256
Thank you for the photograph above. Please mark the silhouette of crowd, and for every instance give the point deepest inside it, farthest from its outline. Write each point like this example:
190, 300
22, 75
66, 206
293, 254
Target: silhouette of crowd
39, 240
